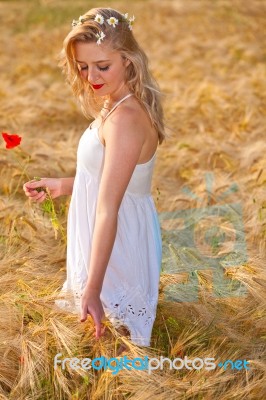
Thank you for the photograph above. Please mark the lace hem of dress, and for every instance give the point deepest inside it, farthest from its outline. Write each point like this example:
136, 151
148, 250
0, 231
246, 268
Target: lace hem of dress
126, 307
122, 314
129, 307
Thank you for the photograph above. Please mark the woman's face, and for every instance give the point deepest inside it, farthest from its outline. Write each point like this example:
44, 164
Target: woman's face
103, 68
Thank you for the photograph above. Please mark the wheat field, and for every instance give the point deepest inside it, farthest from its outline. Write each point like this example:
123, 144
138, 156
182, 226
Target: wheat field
209, 186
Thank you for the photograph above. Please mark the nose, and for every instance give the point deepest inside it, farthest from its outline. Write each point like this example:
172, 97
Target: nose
92, 76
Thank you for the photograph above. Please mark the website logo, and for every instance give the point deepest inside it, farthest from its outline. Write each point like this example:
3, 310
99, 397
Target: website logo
149, 364
205, 238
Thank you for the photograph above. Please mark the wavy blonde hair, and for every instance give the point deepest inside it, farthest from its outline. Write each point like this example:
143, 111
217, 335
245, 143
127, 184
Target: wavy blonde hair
139, 79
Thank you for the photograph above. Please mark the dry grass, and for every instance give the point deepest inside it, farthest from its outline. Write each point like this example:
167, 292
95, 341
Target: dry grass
209, 58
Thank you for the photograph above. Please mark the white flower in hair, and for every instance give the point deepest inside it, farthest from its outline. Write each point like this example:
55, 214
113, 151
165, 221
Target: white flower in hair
78, 22
99, 18
125, 15
131, 22
112, 21
100, 37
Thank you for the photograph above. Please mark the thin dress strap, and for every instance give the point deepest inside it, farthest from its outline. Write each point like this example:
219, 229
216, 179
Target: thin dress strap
120, 101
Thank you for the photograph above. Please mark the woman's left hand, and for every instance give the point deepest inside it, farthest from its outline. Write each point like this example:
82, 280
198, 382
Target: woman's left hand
91, 304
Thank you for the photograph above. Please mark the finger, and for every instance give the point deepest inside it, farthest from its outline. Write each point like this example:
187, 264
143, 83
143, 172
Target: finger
103, 327
42, 198
34, 192
28, 185
33, 197
83, 315
34, 184
97, 323
31, 193
98, 329
38, 195
25, 187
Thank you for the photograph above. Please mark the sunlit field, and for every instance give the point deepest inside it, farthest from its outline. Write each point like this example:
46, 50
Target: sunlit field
209, 186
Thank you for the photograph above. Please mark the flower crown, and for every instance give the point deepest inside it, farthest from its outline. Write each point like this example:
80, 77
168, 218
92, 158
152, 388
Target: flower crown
100, 19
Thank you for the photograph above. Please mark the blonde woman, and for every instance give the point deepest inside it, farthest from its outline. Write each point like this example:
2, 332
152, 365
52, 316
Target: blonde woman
114, 247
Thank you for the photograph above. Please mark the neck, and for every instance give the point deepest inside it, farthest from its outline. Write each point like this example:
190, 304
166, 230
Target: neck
112, 104
117, 96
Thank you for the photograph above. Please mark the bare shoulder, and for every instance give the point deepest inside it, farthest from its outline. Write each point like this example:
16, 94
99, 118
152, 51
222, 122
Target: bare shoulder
127, 119
129, 126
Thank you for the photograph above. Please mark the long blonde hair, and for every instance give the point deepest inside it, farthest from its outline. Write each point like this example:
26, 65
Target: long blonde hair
139, 79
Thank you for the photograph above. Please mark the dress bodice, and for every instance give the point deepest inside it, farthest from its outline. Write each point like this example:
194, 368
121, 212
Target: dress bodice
90, 158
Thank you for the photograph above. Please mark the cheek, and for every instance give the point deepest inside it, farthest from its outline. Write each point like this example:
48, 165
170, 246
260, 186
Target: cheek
83, 74
114, 74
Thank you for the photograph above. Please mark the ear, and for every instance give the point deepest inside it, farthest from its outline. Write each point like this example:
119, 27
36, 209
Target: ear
126, 61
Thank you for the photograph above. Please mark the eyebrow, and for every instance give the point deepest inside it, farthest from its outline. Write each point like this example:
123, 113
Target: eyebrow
95, 62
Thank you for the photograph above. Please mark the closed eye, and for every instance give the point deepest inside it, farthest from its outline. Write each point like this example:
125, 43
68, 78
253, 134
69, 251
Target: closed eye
100, 68
104, 68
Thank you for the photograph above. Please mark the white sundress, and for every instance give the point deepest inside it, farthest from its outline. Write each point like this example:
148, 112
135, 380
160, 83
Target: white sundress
131, 283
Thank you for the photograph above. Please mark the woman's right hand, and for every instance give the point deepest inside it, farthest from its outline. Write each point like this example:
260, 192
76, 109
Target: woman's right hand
53, 184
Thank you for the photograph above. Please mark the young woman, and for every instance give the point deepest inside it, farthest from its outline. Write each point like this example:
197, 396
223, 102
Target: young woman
114, 247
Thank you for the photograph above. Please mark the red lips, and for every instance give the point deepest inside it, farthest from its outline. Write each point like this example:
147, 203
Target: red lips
97, 86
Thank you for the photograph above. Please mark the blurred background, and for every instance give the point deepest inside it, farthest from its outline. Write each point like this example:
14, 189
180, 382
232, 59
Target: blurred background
208, 57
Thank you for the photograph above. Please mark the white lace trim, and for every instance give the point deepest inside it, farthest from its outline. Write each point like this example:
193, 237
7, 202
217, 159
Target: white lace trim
127, 307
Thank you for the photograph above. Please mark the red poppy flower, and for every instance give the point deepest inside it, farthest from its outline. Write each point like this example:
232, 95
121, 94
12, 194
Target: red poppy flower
11, 140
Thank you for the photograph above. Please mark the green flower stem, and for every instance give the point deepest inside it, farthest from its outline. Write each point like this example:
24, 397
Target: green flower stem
48, 204
23, 152
48, 207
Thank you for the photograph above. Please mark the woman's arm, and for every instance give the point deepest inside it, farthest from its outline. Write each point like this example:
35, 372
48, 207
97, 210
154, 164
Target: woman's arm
57, 186
124, 142
66, 186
